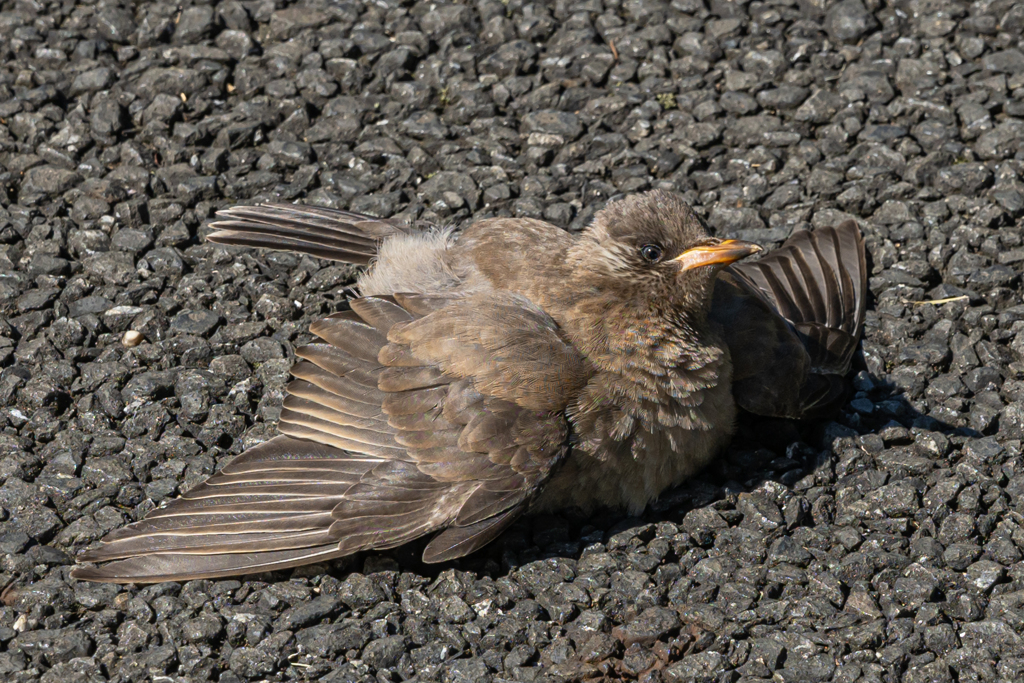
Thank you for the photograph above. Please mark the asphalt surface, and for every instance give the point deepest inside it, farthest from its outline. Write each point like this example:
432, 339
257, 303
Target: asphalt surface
885, 545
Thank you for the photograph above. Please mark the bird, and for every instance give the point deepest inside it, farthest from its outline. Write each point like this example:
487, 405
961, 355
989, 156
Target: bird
506, 368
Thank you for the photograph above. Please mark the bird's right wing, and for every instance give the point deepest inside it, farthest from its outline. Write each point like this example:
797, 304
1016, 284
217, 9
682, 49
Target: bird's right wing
417, 414
817, 281
794, 319
317, 231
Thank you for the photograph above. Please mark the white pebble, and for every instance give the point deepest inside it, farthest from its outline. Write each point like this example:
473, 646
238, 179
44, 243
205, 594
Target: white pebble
132, 338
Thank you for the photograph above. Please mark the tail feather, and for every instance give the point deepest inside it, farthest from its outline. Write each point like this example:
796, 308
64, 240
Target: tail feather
317, 231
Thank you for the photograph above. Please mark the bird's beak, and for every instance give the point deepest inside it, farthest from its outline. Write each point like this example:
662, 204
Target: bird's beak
722, 253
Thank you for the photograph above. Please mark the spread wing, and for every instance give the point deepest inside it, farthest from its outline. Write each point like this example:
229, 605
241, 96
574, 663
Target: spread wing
325, 233
797, 312
389, 433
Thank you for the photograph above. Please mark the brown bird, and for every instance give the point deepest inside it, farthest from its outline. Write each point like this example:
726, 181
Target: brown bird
513, 367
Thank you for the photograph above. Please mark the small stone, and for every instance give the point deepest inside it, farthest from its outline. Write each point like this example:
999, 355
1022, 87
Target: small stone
564, 124
984, 574
703, 667
92, 80
848, 20
863, 406
252, 662
132, 338
819, 107
960, 555
652, 625
115, 24
194, 23
200, 322
1007, 61
49, 180
454, 610
384, 653
310, 612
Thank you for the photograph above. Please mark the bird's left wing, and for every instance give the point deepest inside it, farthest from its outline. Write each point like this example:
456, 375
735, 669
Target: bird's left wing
416, 414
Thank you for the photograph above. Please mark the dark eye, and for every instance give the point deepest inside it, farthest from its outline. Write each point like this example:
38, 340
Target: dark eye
651, 252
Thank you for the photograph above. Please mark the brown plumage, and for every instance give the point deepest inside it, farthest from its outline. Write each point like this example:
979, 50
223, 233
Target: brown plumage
515, 367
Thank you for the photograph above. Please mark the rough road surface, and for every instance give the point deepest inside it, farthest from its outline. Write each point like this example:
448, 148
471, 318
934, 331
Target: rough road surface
884, 546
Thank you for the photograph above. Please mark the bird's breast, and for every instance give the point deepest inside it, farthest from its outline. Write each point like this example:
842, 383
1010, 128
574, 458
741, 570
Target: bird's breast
630, 471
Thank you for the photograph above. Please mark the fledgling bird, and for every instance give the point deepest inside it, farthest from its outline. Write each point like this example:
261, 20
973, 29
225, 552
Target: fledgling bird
513, 367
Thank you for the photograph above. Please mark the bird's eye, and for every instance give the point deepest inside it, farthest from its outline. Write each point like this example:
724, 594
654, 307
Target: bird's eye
651, 252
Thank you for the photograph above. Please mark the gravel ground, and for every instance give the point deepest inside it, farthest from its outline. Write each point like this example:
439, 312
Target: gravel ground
886, 545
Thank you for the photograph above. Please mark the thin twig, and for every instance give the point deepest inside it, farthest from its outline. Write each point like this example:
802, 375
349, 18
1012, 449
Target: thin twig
941, 301
615, 53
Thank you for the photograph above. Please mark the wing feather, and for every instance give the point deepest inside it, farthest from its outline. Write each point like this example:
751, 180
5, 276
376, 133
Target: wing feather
797, 312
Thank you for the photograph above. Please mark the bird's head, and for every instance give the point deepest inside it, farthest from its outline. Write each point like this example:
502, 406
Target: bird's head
652, 251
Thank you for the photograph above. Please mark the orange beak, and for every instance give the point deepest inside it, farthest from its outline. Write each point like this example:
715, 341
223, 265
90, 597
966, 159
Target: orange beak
719, 254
